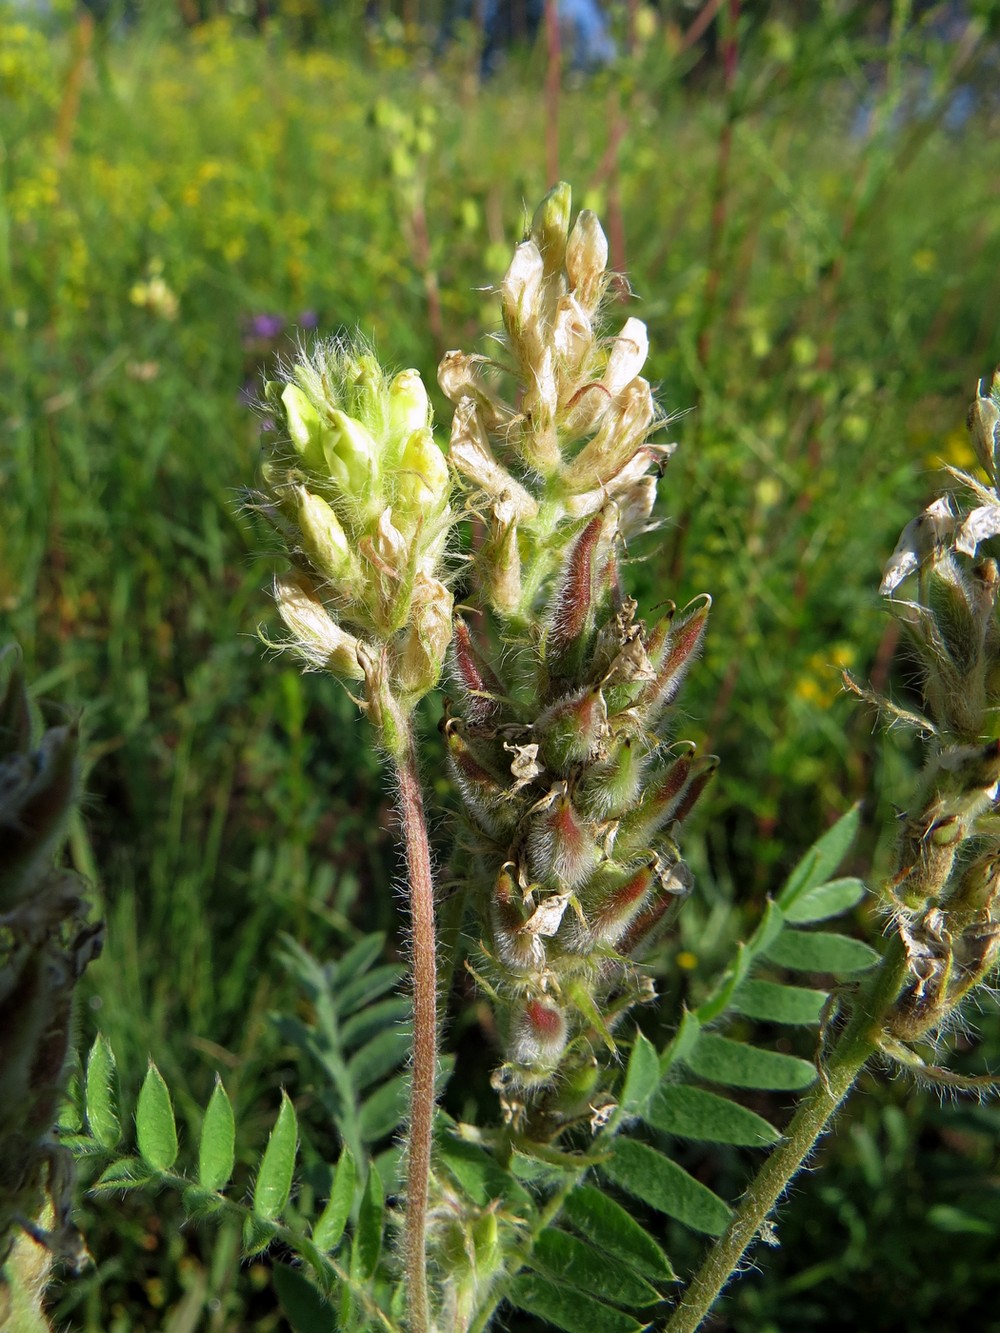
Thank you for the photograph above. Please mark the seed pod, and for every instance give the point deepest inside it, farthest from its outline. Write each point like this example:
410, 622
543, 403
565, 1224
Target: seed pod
482, 692
537, 1039
569, 731
671, 655
561, 847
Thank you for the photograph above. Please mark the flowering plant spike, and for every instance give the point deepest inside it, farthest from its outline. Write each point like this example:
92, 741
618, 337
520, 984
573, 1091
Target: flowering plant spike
557, 737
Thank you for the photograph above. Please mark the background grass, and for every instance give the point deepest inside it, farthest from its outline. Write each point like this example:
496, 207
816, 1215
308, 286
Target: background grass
815, 243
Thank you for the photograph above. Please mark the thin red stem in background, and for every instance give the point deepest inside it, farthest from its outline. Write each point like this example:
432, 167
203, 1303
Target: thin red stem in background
720, 186
421, 892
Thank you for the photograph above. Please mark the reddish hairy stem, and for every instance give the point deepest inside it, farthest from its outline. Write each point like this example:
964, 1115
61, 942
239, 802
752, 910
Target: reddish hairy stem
421, 893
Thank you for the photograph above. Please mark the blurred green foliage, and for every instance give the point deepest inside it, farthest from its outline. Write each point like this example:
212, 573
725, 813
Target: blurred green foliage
816, 245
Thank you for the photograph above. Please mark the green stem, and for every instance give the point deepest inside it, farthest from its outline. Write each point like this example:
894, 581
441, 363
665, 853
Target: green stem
857, 1044
421, 891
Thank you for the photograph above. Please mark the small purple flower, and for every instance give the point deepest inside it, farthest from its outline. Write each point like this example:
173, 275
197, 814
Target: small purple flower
266, 326
308, 319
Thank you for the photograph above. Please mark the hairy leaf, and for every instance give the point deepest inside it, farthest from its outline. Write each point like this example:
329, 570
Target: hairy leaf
333, 1219
641, 1076
568, 1259
821, 860
303, 1304
569, 1310
274, 1179
693, 1113
257, 1235
665, 1186
100, 1097
722, 1060
822, 951
612, 1228
368, 1237
128, 1173
155, 1128
480, 1177
217, 1147
833, 898
771, 1003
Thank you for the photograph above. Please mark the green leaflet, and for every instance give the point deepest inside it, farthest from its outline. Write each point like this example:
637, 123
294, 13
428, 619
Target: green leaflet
368, 1237
378, 1057
821, 951
478, 1174
358, 958
569, 1310
567, 1259
665, 1186
302, 1303
821, 860
374, 1018
333, 1219
384, 1109
722, 1060
155, 1128
127, 1174
833, 898
217, 1146
274, 1179
100, 1094
694, 1113
770, 1002
613, 1229
367, 987
641, 1076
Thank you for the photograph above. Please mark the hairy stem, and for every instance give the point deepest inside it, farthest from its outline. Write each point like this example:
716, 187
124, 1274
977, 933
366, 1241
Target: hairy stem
856, 1045
421, 891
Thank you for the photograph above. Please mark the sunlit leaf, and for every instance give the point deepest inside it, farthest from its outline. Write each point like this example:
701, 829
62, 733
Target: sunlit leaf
733, 1063
612, 1228
833, 898
274, 1179
567, 1309
100, 1095
217, 1147
567, 1259
821, 860
155, 1127
770, 1002
822, 951
333, 1219
665, 1186
693, 1113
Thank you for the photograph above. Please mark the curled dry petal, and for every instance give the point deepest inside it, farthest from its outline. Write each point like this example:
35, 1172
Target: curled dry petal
976, 527
921, 537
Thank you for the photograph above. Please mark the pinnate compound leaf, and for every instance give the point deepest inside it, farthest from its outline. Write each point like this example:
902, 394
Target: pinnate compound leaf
769, 1002
333, 1219
217, 1146
821, 860
822, 951
641, 1077
567, 1259
374, 1018
693, 1113
100, 1099
736, 1065
614, 1230
833, 898
302, 1303
359, 958
665, 1186
274, 1179
567, 1309
368, 1237
129, 1173
155, 1127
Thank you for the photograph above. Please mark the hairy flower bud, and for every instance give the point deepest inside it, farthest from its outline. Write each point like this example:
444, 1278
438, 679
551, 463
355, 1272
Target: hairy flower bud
587, 259
538, 1038
421, 653
323, 538
316, 637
